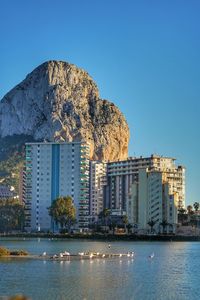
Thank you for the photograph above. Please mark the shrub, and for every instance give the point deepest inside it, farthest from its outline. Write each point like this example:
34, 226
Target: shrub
4, 251
18, 252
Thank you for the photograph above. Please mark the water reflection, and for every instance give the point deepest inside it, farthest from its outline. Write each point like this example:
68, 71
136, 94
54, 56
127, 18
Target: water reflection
171, 274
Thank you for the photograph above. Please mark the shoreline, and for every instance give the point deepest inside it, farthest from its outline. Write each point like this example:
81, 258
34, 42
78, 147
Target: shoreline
106, 237
69, 257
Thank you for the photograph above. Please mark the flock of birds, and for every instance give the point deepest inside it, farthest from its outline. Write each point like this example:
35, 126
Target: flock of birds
95, 254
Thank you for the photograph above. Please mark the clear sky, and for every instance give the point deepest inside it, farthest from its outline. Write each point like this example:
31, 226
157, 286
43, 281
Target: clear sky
143, 55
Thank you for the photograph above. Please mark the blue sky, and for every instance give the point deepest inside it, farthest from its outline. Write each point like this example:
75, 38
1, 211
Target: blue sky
143, 55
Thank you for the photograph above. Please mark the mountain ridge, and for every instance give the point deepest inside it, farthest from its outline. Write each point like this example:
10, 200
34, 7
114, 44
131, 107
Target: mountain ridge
58, 101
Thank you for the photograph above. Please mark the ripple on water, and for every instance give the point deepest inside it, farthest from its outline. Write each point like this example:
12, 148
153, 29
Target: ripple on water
172, 274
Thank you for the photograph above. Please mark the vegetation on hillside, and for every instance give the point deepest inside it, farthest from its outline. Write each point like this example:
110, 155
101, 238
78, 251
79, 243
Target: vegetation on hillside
10, 171
12, 157
11, 215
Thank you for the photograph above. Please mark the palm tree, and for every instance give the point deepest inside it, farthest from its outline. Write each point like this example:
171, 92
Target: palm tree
194, 220
189, 209
125, 221
182, 210
129, 226
182, 215
151, 223
104, 215
113, 225
196, 206
170, 227
164, 224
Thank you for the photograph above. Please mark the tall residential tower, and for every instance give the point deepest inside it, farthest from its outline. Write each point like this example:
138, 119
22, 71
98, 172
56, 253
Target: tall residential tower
151, 201
53, 170
122, 174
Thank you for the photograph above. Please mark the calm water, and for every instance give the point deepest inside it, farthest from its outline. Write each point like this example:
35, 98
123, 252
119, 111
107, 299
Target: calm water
172, 274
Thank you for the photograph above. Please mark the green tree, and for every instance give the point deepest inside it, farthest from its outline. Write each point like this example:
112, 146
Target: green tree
151, 223
11, 215
196, 206
63, 212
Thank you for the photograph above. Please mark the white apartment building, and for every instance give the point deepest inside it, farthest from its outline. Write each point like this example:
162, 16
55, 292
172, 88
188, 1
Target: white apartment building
98, 171
122, 174
53, 170
151, 200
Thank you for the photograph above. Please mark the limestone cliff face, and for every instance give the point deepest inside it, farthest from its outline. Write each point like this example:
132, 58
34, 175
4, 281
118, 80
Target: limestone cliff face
60, 102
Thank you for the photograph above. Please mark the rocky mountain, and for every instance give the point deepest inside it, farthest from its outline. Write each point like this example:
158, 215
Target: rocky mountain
60, 102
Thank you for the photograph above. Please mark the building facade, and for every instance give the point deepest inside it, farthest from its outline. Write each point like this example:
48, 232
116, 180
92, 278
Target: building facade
122, 174
98, 172
22, 178
151, 200
53, 170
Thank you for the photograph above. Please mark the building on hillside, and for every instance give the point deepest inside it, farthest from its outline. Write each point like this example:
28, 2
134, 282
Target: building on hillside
6, 192
151, 200
98, 171
122, 174
53, 170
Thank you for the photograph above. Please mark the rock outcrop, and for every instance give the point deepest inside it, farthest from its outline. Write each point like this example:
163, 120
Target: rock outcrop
60, 102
